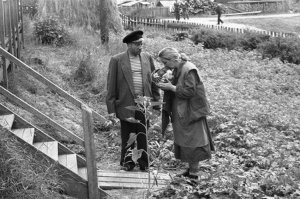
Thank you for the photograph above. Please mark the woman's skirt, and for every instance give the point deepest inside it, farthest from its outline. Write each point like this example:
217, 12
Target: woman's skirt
192, 154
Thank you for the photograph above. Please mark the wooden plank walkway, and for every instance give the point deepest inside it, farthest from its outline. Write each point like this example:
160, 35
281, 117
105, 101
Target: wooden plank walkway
131, 180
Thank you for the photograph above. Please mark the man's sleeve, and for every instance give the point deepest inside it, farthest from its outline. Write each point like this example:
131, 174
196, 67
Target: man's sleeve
111, 86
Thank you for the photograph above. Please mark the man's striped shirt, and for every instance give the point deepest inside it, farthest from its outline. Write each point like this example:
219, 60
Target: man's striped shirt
136, 69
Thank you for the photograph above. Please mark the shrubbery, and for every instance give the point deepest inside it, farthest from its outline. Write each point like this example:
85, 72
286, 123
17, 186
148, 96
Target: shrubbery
287, 49
215, 39
30, 8
50, 31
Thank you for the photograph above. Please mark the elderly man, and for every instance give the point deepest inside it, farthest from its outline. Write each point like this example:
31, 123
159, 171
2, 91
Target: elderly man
129, 76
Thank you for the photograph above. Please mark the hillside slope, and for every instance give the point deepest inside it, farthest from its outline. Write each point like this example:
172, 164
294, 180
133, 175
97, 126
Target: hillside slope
255, 110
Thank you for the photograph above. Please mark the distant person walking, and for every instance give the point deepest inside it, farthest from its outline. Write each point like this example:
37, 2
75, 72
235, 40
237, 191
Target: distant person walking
185, 10
219, 11
129, 77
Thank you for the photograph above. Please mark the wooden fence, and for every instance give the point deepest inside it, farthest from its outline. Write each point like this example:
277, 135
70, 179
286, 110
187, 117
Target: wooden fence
11, 33
177, 26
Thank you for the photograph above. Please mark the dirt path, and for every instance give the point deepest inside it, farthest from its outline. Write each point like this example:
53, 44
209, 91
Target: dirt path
213, 20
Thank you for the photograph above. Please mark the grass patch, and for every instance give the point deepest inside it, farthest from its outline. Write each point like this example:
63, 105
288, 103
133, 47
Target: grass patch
286, 25
22, 175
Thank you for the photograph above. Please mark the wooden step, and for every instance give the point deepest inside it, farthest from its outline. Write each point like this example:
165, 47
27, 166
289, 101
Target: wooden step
69, 161
26, 134
82, 172
137, 180
49, 148
7, 120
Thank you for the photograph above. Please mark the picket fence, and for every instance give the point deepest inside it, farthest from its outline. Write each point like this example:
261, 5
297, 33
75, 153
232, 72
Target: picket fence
11, 23
179, 26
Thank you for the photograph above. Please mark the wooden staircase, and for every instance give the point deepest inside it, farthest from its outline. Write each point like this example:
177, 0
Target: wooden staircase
73, 168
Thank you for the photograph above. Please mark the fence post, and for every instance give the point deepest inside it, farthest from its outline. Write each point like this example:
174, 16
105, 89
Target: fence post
88, 127
135, 22
12, 26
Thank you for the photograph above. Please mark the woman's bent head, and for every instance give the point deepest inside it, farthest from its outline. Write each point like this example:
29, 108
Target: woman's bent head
171, 58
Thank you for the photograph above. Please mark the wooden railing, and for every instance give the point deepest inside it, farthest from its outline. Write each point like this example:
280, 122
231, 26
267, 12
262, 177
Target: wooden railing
11, 32
88, 116
177, 26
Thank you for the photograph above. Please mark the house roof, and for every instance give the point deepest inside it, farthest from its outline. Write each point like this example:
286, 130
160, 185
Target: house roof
167, 3
131, 3
144, 2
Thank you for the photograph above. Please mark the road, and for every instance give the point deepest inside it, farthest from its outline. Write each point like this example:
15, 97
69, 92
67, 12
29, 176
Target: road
213, 19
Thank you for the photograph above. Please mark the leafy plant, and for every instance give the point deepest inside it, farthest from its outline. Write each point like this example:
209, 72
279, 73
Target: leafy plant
50, 31
145, 106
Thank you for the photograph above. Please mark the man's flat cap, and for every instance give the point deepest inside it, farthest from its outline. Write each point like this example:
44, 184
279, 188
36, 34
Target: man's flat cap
134, 36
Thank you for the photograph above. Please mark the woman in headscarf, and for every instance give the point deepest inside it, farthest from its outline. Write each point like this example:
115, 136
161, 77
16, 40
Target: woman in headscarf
187, 106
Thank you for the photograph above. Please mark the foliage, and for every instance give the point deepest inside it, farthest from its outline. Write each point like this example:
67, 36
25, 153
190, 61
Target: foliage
22, 175
50, 31
255, 117
84, 13
287, 49
256, 142
84, 72
30, 8
251, 40
215, 39
144, 105
180, 26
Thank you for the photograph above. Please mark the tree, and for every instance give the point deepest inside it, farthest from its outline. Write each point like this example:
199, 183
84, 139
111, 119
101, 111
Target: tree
104, 30
109, 18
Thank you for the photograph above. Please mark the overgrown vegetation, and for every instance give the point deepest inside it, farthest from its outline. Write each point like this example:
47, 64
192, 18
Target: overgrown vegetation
30, 8
255, 112
50, 31
286, 49
22, 175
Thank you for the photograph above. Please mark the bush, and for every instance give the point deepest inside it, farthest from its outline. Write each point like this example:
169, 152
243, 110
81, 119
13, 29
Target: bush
287, 49
180, 26
214, 39
30, 8
250, 40
50, 31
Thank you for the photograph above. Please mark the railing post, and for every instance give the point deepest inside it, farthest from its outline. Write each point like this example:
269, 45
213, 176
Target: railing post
3, 44
88, 127
22, 25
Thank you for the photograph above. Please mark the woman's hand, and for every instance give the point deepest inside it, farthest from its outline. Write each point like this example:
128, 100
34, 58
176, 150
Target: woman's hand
167, 86
156, 78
